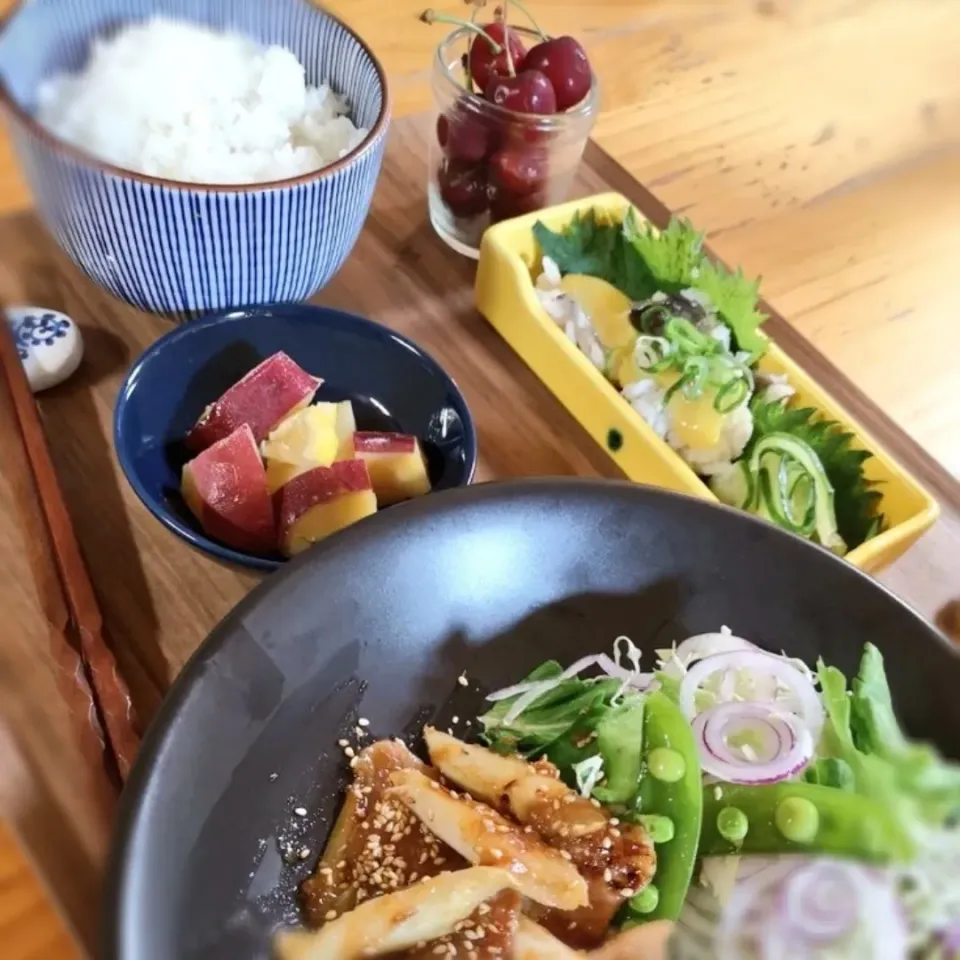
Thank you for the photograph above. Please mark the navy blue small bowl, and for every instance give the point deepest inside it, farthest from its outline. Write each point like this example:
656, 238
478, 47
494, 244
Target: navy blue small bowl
391, 382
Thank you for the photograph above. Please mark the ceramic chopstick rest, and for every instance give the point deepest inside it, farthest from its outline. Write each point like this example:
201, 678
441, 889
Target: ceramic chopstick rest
48, 342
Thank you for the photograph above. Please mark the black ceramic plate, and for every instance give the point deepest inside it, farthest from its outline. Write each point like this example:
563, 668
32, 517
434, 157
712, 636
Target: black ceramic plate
380, 622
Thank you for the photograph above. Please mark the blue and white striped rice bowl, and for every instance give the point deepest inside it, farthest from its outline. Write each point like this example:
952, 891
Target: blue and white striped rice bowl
181, 248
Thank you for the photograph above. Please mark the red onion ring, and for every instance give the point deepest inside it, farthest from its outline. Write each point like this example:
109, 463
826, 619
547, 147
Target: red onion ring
821, 903
807, 700
781, 912
950, 940
789, 745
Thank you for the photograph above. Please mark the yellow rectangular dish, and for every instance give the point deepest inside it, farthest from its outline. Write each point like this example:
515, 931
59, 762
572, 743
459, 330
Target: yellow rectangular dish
506, 296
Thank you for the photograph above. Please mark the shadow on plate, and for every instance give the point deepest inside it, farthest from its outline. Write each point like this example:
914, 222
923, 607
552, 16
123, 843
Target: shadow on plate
315, 771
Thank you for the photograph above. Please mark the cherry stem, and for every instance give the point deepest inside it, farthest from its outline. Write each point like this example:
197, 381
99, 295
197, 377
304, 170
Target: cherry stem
431, 16
511, 66
522, 7
473, 19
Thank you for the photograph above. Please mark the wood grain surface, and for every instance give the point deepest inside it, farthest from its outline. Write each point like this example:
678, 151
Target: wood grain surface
160, 598
28, 930
818, 143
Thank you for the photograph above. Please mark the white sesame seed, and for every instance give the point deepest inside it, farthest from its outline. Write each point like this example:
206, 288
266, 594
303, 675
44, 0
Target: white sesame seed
462, 679
364, 722
304, 853
350, 752
300, 811
343, 743
456, 719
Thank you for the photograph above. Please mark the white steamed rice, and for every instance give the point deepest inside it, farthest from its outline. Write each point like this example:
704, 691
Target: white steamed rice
182, 102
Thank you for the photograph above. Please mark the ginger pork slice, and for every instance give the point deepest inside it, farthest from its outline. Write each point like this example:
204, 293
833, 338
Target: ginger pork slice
483, 837
534, 942
377, 845
617, 860
434, 917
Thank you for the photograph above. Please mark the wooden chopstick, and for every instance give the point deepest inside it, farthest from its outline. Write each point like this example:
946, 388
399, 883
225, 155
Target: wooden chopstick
108, 692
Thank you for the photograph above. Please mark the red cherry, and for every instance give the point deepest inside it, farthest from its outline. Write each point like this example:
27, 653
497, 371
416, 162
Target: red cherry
520, 130
518, 171
463, 188
564, 62
506, 205
528, 92
484, 63
465, 136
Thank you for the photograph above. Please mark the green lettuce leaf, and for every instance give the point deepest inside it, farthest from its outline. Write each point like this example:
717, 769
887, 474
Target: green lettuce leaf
875, 727
862, 733
855, 500
620, 743
871, 776
922, 771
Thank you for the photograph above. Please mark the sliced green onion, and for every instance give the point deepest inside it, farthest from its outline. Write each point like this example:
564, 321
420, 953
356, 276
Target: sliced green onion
648, 318
697, 369
687, 338
685, 378
731, 395
651, 352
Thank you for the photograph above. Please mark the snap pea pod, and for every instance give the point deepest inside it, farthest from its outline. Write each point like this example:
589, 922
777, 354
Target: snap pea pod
799, 817
670, 790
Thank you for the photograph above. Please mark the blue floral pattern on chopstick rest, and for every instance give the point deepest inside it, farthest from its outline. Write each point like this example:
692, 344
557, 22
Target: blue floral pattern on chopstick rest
49, 345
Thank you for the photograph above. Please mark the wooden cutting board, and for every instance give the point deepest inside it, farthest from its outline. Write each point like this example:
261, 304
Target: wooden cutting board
160, 598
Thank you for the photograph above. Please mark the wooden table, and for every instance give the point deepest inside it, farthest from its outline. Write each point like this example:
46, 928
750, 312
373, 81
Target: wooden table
816, 140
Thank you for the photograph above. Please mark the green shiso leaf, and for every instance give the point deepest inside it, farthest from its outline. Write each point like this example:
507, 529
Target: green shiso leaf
640, 260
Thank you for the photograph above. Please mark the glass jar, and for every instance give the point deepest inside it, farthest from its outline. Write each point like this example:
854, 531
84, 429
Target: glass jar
487, 163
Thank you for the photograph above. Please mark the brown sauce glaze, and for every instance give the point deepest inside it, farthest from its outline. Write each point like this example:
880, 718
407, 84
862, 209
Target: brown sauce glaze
489, 933
617, 861
377, 845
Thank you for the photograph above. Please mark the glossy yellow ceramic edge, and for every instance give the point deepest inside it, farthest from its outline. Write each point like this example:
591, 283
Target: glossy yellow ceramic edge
505, 295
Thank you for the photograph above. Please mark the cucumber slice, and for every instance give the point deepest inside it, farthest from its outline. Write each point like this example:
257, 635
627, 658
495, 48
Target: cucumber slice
803, 458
